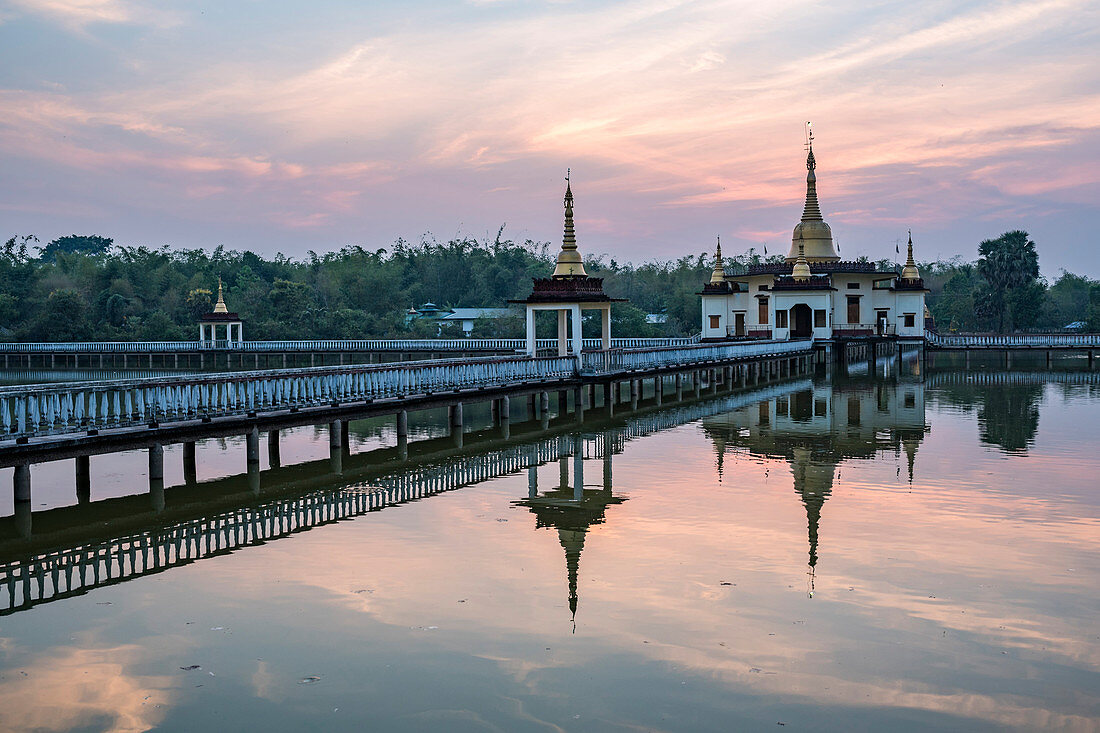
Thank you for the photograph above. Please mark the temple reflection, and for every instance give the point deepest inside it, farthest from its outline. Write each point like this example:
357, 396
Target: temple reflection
816, 429
572, 508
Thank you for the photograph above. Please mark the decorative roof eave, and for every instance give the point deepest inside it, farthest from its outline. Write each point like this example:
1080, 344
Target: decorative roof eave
220, 317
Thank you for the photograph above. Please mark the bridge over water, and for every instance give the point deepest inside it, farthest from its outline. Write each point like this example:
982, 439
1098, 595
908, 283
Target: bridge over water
75, 549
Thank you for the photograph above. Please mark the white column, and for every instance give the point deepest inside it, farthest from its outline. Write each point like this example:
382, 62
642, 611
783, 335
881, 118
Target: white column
563, 329
605, 321
578, 339
202, 334
531, 340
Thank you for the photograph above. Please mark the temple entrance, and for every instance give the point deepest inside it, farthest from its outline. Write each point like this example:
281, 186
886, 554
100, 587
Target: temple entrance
802, 321
738, 324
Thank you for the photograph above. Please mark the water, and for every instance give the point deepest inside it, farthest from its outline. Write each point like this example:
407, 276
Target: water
862, 555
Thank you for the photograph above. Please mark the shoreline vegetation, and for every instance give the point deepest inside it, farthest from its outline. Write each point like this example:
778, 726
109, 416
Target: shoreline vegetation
87, 288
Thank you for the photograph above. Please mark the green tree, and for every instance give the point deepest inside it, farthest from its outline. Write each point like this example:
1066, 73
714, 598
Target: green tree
1007, 263
75, 244
63, 317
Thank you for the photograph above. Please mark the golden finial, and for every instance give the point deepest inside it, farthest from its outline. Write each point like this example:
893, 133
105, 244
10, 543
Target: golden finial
219, 307
801, 270
910, 271
719, 274
569, 263
812, 210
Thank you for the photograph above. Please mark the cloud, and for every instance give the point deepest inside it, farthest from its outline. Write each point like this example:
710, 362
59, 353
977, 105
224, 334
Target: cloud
78, 14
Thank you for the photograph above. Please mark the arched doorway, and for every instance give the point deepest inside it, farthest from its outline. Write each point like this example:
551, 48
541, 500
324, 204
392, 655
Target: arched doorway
802, 321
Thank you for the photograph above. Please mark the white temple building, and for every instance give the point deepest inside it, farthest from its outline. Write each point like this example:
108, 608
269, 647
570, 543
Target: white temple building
813, 294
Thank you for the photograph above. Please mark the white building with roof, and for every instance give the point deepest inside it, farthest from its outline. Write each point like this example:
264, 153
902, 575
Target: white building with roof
813, 293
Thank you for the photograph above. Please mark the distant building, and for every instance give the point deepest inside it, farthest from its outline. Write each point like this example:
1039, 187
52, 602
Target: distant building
465, 317
813, 294
656, 318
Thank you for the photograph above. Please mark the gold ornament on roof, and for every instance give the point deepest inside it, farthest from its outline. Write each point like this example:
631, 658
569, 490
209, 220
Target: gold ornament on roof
719, 274
910, 271
801, 270
813, 229
219, 307
570, 263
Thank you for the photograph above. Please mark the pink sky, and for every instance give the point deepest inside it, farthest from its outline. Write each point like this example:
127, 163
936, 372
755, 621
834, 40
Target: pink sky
258, 127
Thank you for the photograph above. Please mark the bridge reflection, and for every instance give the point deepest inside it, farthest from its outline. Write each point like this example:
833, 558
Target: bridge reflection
74, 549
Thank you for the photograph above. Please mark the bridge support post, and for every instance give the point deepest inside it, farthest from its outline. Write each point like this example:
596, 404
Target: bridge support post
591, 396
1090, 358
634, 396
252, 449
607, 442
335, 452
455, 421
505, 417
274, 460
21, 483
156, 476
679, 381
494, 412
967, 352
1008, 359
609, 397
659, 389
403, 433
712, 380
531, 414
578, 468
563, 402
544, 405
1049, 353
190, 473
578, 403
697, 382
83, 480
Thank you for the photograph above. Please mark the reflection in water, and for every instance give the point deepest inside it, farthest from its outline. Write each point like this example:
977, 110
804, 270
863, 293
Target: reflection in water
959, 593
816, 428
571, 510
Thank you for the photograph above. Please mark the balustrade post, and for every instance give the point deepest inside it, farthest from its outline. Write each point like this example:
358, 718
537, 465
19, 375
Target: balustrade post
83, 480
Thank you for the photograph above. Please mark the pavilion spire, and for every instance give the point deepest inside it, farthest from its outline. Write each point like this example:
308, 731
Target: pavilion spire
569, 262
219, 307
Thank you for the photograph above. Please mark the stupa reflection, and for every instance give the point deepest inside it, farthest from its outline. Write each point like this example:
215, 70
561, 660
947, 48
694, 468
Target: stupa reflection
571, 508
815, 430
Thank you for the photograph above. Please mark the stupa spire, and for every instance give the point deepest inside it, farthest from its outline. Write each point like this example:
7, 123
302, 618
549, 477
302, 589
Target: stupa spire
569, 263
719, 273
812, 211
910, 271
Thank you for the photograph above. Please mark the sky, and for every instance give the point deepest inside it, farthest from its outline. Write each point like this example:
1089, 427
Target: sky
287, 127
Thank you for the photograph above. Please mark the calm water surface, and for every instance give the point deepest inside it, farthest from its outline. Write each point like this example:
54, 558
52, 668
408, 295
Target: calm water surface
862, 555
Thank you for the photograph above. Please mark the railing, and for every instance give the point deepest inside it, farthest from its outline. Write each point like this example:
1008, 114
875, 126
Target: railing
1009, 341
629, 360
325, 345
73, 407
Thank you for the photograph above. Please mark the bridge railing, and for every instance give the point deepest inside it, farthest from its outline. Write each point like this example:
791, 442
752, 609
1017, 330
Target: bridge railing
1008, 341
323, 345
638, 359
73, 407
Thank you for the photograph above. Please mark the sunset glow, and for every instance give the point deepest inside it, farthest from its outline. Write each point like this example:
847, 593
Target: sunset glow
261, 126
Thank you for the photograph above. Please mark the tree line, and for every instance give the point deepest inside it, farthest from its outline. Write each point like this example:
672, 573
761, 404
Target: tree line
80, 287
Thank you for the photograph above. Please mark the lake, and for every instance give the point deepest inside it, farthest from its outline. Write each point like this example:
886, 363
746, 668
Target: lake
866, 553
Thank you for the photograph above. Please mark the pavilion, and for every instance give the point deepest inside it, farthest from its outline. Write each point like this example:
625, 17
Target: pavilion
220, 318
569, 291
